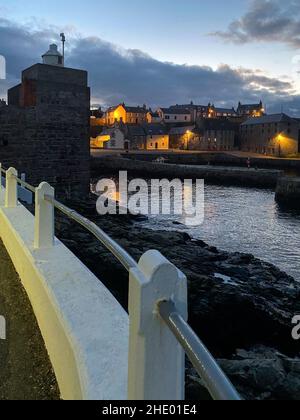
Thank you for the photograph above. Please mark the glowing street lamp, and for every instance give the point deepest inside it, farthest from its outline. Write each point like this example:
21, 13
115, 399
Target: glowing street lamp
279, 139
188, 133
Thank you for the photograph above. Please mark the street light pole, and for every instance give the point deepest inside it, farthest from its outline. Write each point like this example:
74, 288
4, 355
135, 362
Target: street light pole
63, 40
188, 139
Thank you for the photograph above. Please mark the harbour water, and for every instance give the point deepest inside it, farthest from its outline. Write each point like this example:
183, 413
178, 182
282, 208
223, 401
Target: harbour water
244, 220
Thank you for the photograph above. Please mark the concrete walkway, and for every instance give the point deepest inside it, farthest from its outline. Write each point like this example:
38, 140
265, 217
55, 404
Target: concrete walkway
25, 369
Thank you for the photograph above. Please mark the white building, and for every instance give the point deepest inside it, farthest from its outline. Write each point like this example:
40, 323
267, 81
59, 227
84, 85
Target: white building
110, 138
174, 115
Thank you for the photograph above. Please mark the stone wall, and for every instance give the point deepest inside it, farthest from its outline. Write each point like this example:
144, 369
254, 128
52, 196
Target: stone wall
259, 178
288, 191
44, 132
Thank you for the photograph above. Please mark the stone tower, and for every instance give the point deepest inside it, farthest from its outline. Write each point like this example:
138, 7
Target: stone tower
44, 130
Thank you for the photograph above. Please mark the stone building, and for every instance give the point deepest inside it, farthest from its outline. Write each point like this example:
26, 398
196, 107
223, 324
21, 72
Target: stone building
216, 134
126, 114
44, 130
174, 115
184, 137
250, 110
205, 111
157, 137
146, 136
110, 138
153, 117
277, 135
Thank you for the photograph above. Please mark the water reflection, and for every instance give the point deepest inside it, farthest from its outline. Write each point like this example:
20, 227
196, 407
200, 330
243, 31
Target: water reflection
245, 220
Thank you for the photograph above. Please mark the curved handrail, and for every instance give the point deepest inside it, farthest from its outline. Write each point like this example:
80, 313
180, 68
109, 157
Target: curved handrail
215, 380
125, 259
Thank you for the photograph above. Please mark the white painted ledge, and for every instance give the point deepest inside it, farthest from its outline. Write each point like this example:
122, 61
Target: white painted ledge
84, 328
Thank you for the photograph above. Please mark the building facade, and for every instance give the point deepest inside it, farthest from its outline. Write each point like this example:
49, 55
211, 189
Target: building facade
157, 137
126, 115
110, 138
146, 136
184, 138
153, 117
251, 110
216, 134
205, 111
276, 135
174, 115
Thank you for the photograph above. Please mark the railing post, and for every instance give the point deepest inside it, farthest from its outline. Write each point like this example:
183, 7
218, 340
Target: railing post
156, 365
44, 217
11, 188
0, 176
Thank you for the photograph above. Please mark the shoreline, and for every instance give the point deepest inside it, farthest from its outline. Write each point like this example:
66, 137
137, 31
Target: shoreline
240, 306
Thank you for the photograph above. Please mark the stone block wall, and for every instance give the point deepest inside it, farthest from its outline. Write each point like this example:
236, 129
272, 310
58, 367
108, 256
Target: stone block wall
49, 140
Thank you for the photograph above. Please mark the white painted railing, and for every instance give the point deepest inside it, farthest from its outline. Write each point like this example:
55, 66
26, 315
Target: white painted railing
158, 331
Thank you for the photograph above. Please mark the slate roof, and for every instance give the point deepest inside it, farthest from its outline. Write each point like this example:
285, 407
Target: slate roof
130, 109
136, 109
175, 111
154, 129
225, 110
179, 131
249, 107
218, 125
268, 119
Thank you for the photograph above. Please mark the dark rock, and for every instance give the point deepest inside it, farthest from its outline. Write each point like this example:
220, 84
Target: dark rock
235, 300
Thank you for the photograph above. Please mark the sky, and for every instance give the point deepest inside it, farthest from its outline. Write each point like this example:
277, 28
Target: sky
165, 51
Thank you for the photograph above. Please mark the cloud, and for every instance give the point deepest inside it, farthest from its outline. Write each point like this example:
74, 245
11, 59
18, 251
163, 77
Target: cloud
117, 74
267, 21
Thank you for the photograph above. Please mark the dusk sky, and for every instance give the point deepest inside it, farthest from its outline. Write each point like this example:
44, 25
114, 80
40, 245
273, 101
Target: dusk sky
165, 51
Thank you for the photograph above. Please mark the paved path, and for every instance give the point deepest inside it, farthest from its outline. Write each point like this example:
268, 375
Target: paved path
25, 369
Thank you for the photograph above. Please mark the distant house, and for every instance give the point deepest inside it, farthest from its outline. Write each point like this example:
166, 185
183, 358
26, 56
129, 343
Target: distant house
216, 134
126, 115
206, 111
174, 115
251, 110
276, 134
110, 138
157, 137
97, 117
147, 136
153, 117
223, 112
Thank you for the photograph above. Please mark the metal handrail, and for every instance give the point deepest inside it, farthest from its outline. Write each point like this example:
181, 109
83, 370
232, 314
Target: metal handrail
125, 259
20, 181
215, 380
25, 184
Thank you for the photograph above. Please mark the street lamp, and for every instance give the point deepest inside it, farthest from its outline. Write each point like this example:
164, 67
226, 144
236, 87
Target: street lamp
279, 138
188, 133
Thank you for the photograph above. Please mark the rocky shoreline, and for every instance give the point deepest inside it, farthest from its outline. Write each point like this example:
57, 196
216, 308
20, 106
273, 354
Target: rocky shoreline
241, 307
